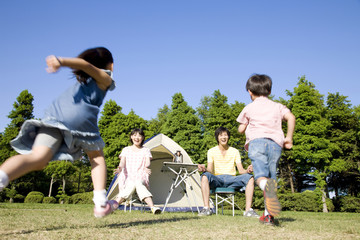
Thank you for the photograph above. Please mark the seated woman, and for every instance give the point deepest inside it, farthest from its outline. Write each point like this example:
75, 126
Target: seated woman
134, 171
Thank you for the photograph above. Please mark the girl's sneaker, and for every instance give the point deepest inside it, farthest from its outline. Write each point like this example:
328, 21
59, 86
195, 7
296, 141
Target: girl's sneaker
111, 206
114, 204
155, 210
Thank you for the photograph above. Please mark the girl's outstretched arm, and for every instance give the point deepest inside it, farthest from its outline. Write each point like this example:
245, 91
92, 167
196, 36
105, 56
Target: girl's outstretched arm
102, 79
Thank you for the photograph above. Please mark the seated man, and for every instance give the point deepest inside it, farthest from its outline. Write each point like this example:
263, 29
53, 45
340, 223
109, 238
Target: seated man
221, 172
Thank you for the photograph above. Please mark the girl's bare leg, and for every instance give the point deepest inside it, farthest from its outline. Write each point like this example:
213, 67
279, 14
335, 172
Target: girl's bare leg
149, 201
98, 175
20, 165
98, 169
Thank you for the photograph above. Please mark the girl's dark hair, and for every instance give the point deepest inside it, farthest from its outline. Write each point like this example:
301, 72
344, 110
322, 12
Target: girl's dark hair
259, 85
220, 130
140, 131
100, 57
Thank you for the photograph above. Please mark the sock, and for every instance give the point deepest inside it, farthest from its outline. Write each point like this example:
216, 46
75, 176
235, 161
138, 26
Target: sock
99, 198
262, 184
266, 212
4, 180
205, 208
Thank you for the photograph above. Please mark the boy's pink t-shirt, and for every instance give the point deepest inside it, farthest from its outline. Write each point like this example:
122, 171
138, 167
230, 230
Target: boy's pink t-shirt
264, 120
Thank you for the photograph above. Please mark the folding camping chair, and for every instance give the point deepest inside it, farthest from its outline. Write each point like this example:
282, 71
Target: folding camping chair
129, 202
224, 195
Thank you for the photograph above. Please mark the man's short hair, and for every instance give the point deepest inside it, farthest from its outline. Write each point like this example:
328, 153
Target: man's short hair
220, 130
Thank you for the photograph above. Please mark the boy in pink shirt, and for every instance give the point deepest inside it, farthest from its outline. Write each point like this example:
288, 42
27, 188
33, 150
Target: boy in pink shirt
261, 121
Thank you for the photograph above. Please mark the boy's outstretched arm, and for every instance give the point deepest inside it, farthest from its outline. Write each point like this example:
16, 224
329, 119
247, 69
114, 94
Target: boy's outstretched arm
242, 127
290, 118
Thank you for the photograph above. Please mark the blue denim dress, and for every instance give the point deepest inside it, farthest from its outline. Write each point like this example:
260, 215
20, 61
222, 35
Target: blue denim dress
75, 114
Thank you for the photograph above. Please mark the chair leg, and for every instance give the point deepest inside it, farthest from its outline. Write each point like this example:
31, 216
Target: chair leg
233, 204
216, 204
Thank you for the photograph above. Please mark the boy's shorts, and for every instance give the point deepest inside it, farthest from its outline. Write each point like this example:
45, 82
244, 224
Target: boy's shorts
265, 155
236, 182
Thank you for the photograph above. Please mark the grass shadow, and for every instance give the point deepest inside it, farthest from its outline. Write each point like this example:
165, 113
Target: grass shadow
149, 222
123, 225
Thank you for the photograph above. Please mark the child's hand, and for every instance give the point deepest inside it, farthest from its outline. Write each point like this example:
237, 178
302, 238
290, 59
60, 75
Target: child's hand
148, 171
201, 168
288, 143
242, 127
117, 170
249, 169
53, 64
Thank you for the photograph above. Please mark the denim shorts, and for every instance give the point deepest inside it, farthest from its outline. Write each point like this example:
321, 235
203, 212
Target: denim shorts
264, 154
237, 182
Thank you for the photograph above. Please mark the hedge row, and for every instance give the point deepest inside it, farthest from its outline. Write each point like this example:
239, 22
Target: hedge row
79, 198
309, 201
306, 201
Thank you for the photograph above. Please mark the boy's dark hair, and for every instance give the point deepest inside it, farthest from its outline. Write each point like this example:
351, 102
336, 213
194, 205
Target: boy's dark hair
140, 131
259, 85
220, 130
100, 57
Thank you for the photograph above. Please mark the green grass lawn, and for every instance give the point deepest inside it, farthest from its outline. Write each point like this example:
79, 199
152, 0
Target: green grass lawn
54, 221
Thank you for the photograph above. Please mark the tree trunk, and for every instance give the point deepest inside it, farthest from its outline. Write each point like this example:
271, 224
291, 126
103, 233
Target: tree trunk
79, 181
323, 199
51, 184
63, 188
291, 179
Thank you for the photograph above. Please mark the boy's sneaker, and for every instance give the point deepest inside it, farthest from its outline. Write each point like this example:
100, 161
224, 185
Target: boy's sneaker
272, 203
104, 211
268, 220
156, 210
205, 212
251, 213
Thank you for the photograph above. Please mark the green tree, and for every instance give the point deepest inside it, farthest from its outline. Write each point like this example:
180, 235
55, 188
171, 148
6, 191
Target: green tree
110, 126
214, 112
238, 140
115, 128
344, 172
59, 170
83, 178
156, 124
22, 111
184, 127
50, 170
311, 146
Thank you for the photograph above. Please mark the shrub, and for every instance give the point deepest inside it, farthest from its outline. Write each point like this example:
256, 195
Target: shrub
349, 204
49, 200
82, 198
330, 205
63, 198
34, 197
309, 201
19, 198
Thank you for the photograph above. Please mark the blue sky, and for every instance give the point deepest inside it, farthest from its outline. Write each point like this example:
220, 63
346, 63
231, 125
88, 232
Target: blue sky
190, 46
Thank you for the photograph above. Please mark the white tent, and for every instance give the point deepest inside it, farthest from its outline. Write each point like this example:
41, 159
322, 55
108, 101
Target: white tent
163, 149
